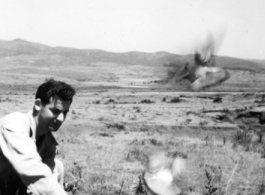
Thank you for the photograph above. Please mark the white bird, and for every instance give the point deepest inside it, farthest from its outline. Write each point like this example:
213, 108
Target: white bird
161, 172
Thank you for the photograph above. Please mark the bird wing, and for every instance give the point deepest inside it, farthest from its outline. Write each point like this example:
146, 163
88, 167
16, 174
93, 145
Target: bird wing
161, 172
161, 183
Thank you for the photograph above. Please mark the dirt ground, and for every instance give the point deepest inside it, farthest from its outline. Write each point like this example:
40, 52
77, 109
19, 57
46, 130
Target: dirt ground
138, 110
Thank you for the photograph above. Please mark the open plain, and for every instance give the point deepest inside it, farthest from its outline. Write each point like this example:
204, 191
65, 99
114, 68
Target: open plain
108, 135
121, 114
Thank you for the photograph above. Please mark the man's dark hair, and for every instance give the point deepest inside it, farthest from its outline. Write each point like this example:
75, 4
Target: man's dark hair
52, 88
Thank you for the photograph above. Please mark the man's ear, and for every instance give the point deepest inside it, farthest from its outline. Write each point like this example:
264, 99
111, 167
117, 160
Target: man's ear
37, 104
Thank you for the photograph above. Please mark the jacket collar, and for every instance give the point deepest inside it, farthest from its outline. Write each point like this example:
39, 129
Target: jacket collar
49, 138
33, 125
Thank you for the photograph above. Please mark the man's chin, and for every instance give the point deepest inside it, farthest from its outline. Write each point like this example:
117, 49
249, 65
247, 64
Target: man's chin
53, 129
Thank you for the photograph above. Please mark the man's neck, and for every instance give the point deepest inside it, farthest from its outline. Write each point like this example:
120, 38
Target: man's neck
39, 131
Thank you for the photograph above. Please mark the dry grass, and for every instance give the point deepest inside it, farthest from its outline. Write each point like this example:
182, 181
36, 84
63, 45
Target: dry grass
109, 160
112, 153
107, 163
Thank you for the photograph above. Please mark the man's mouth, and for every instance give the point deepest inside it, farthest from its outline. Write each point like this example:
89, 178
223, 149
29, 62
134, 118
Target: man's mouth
54, 127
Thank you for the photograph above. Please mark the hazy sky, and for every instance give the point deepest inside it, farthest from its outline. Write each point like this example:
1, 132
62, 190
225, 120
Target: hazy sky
138, 25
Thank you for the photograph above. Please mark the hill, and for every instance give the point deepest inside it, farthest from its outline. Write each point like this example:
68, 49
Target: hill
64, 55
21, 60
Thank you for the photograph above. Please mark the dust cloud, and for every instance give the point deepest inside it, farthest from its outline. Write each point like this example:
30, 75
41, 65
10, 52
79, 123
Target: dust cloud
199, 68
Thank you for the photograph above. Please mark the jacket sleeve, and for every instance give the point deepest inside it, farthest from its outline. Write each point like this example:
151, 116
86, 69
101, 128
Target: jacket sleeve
21, 152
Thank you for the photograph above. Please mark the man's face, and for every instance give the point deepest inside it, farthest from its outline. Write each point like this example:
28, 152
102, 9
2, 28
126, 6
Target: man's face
52, 115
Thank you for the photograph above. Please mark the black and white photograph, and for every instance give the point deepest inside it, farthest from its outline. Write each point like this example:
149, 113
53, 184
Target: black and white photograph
132, 97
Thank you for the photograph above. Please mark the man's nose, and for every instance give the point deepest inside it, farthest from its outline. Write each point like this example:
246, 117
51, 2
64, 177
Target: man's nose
60, 117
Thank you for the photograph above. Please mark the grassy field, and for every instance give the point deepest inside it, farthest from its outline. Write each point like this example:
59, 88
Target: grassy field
105, 144
109, 161
108, 135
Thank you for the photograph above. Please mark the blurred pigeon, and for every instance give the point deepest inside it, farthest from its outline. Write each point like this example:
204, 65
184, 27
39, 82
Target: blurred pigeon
161, 172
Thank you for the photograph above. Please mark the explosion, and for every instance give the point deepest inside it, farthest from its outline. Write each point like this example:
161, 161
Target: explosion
198, 68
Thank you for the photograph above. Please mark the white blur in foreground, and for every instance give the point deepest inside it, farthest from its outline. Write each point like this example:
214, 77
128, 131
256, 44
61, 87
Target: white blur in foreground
161, 174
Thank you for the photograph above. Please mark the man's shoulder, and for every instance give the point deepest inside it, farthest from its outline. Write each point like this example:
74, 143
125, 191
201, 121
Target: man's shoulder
18, 116
14, 114
15, 120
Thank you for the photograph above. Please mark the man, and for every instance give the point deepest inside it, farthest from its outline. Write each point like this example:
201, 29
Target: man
27, 146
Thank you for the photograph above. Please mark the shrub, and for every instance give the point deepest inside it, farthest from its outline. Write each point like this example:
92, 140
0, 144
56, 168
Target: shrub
213, 180
136, 155
137, 109
104, 134
117, 126
140, 188
175, 100
72, 177
155, 142
110, 101
97, 102
242, 137
217, 100
202, 123
175, 154
144, 128
147, 102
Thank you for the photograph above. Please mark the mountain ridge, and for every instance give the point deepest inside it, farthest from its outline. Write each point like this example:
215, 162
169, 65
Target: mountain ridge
22, 50
26, 63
